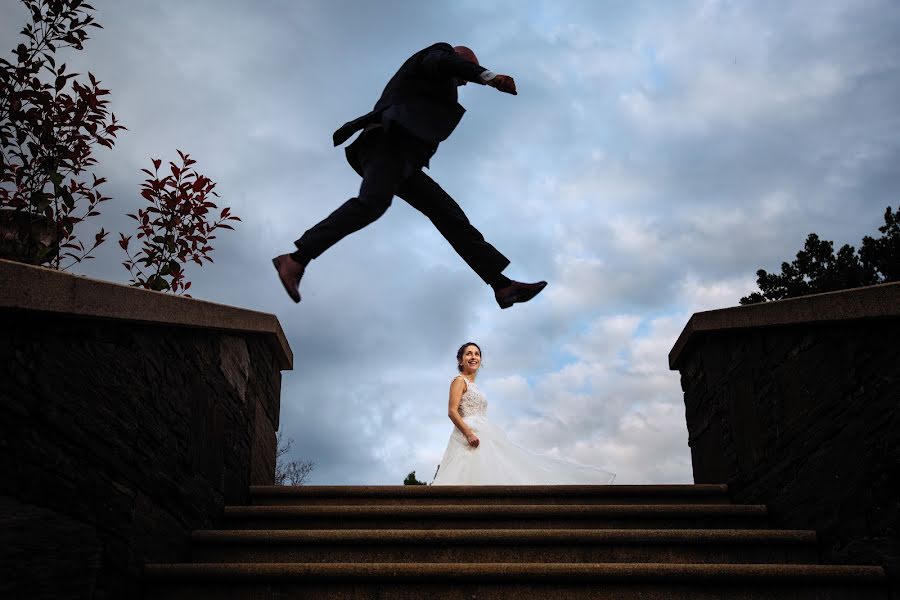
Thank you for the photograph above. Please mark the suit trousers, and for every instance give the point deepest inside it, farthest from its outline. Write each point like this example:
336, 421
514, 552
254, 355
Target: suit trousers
389, 169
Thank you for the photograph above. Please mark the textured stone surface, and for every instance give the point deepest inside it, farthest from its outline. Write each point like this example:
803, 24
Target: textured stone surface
430, 495
510, 553
27, 287
45, 552
125, 437
515, 581
871, 302
804, 419
521, 516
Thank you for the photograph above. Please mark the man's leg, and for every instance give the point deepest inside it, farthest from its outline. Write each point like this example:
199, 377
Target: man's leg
426, 196
382, 170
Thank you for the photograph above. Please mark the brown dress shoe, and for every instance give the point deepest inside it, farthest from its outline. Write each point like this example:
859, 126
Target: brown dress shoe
289, 272
518, 292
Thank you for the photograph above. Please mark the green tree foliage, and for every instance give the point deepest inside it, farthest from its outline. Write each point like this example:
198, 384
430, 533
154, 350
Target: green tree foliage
818, 269
411, 479
883, 254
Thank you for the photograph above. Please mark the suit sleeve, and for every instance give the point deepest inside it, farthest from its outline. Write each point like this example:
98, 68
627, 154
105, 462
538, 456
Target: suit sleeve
442, 61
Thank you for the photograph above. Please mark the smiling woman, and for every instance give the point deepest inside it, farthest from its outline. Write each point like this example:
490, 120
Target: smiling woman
479, 452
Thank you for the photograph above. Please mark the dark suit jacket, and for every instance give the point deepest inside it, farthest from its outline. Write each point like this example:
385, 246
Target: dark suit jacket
420, 98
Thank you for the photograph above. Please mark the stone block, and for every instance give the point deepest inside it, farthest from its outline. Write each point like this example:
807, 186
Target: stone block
799, 409
117, 440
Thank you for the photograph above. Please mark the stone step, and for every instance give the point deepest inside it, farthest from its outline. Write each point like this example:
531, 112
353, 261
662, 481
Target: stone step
410, 495
519, 516
516, 581
506, 545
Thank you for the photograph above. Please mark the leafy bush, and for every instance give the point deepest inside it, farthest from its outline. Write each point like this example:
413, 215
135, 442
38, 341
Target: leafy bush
50, 124
175, 228
411, 479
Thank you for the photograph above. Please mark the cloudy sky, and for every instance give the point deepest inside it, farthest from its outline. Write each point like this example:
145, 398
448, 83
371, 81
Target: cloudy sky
657, 155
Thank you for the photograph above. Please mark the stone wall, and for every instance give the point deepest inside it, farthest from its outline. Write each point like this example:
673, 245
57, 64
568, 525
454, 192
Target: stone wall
796, 405
122, 432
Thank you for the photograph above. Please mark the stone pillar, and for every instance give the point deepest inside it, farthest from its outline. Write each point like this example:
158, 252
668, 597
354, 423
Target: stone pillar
796, 404
128, 418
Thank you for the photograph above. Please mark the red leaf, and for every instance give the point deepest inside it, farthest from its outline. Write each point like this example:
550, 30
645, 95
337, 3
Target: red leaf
156, 163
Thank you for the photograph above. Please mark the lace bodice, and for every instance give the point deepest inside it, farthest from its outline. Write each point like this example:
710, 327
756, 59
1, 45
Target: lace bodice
473, 402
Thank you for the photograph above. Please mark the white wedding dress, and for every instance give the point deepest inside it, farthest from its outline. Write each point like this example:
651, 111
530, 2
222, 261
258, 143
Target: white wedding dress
498, 461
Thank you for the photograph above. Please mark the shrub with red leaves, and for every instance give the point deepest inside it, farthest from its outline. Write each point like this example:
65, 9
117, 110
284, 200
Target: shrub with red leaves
50, 124
175, 228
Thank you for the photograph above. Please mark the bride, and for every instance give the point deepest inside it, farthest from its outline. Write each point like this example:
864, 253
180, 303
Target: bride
479, 453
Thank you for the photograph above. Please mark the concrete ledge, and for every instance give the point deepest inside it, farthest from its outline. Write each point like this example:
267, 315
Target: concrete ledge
514, 572
489, 511
872, 302
29, 288
428, 537
480, 491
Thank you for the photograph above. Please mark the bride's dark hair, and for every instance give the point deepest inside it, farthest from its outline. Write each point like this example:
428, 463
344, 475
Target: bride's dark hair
459, 353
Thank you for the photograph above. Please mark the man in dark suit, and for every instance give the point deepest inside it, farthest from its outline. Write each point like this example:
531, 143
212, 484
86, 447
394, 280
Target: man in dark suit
417, 111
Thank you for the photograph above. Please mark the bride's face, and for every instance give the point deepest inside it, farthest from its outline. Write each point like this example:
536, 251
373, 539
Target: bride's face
471, 359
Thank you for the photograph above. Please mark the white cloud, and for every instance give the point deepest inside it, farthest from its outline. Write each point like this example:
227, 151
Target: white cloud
697, 296
604, 408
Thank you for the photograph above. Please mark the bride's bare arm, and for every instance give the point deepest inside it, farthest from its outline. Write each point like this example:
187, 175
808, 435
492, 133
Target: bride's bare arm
457, 388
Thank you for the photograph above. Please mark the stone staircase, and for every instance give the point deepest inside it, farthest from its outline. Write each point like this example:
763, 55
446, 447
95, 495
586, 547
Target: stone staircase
619, 542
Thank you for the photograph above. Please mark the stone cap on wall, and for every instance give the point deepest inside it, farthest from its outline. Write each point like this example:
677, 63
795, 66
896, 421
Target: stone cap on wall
30, 288
872, 302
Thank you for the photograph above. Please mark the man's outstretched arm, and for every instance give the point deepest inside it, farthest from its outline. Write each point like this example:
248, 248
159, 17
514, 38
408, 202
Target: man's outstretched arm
445, 61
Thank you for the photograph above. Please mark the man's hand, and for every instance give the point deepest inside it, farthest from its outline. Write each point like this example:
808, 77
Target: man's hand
504, 83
